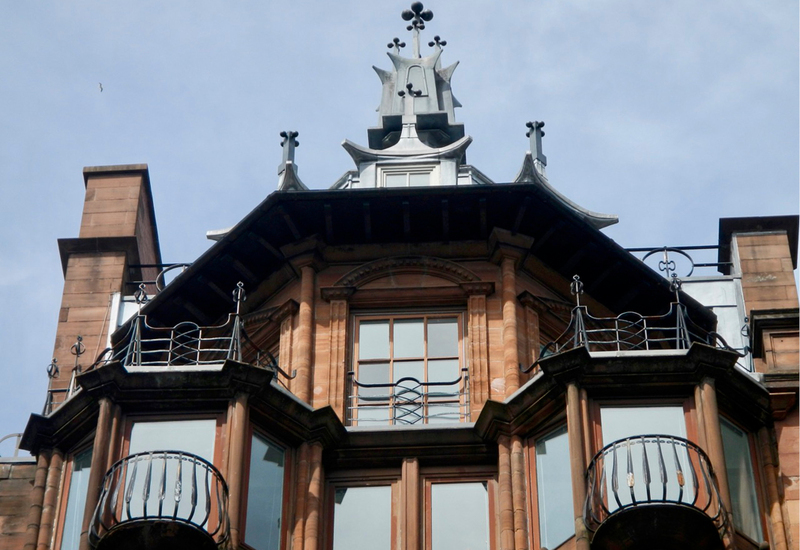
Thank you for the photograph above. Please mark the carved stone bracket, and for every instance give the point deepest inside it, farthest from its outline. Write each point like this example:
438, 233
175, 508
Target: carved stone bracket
330, 293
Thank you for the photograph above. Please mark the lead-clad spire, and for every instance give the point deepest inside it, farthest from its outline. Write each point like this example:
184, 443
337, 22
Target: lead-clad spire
417, 91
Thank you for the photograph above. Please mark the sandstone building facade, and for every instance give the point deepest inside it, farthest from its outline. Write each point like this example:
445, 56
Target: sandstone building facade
415, 358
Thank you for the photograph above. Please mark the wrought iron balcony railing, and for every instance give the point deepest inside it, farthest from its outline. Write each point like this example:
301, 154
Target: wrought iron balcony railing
169, 486
187, 343
408, 401
630, 331
651, 470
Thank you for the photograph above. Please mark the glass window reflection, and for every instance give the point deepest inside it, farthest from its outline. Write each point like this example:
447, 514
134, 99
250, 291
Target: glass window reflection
362, 518
554, 489
264, 494
459, 516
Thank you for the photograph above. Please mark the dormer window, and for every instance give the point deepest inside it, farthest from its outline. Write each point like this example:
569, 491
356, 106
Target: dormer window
406, 177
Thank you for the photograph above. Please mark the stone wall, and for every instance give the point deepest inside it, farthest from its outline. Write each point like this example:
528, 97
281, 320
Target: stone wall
16, 498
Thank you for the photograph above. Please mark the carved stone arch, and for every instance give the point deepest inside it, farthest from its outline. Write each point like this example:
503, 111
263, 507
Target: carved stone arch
437, 267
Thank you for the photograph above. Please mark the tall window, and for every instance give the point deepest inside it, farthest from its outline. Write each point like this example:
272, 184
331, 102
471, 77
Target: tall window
408, 370
264, 494
741, 480
76, 501
554, 489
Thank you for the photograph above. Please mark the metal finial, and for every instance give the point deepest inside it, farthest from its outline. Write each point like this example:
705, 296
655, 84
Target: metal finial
239, 295
141, 295
289, 142
52, 369
535, 133
439, 43
77, 350
666, 265
411, 91
417, 15
396, 44
576, 288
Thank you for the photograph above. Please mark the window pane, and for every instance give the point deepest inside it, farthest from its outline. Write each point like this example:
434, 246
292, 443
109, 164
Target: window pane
414, 369
362, 518
741, 481
373, 340
554, 489
409, 338
443, 370
459, 516
373, 373
444, 413
264, 495
419, 180
395, 180
78, 487
443, 337
191, 436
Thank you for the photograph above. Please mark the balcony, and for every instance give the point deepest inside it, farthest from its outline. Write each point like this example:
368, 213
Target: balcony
631, 331
408, 401
653, 491
161, 500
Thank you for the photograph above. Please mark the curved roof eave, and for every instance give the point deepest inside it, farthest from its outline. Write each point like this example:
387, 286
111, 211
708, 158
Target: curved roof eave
529, 174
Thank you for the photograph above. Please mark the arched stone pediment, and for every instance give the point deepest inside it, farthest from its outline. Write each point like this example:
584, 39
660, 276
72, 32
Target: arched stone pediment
403, 266
415, 281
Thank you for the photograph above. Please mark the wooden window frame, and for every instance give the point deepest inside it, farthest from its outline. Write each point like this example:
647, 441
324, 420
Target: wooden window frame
391, 317
288, 461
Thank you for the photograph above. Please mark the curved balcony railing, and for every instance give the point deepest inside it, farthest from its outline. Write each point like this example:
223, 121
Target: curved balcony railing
651, 470
409, 401
163, 486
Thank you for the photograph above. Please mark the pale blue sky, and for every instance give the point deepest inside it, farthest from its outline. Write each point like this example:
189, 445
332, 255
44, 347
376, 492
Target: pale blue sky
668, 114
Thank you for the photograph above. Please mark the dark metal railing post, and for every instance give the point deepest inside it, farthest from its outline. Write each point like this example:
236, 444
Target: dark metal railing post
235, 349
